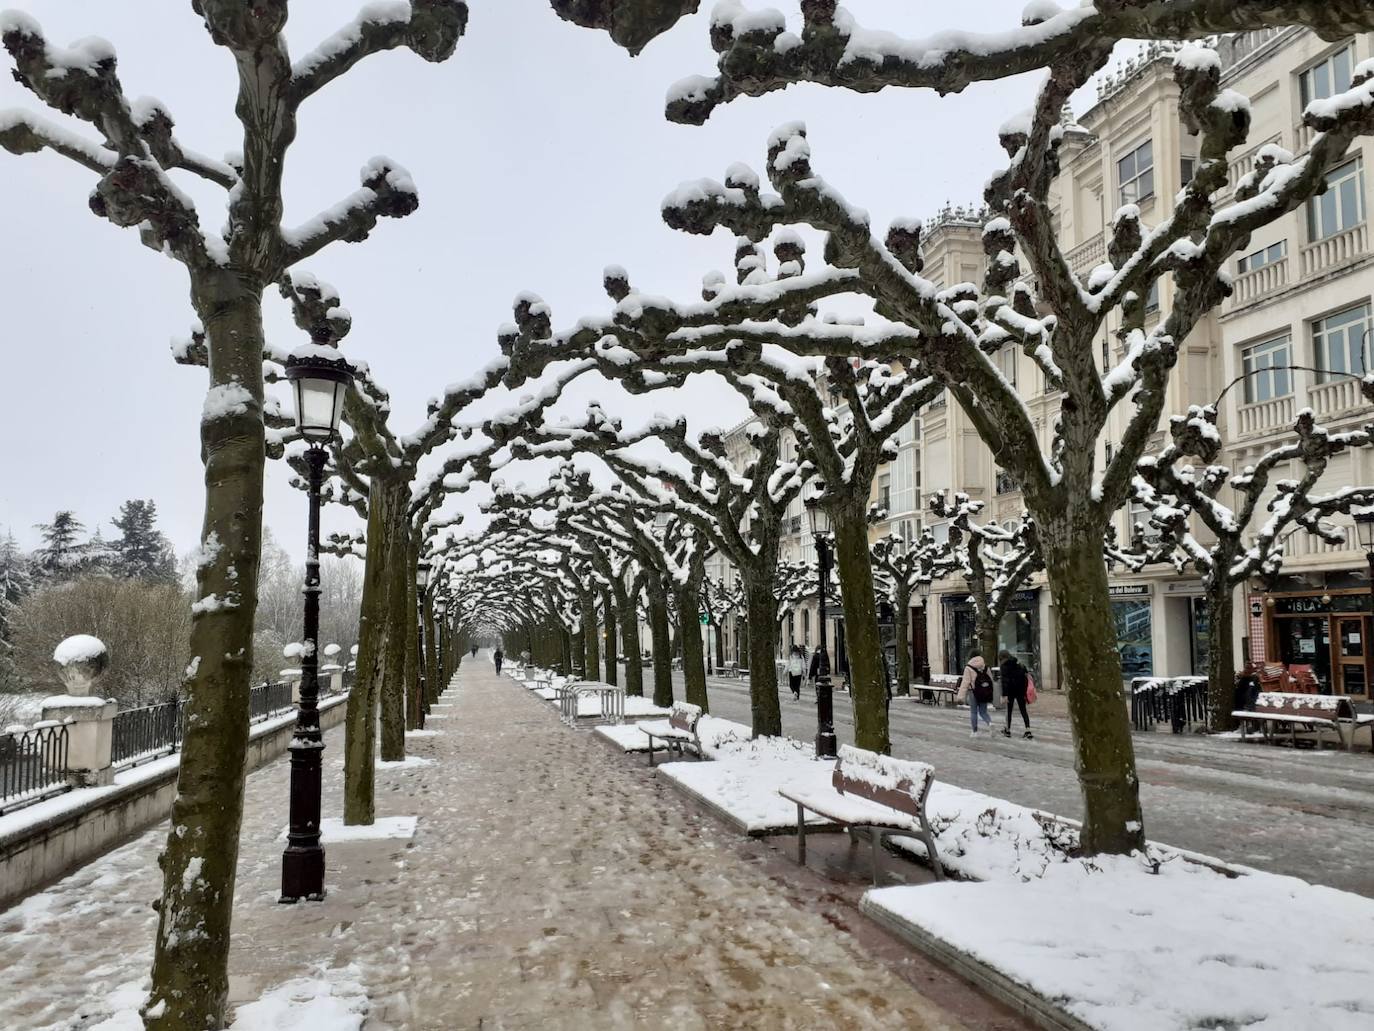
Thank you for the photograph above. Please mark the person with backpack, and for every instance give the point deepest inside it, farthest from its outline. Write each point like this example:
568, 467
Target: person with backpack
1016, 684
976, 687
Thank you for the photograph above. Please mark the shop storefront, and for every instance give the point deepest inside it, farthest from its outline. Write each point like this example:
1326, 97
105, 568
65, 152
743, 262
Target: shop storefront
1018, 634
1326, 631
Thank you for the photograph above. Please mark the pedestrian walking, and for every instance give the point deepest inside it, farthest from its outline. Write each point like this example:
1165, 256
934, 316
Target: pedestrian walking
1016, 684
796, 669
498, 657
474, 651
976, 687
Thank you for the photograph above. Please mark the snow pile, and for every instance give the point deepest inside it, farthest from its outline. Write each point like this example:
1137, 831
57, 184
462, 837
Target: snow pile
79, 648
1126, 949
332, 1001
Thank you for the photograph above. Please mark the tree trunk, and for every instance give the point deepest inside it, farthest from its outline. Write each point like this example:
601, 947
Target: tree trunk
761, 611
415, 692
628, 621
863, 645
397, 714
190, 965
693, 665
591, 648
1091, 672
433, 675
902, 627
360, 731
608, 607
663, 654
572, 645
1221, 656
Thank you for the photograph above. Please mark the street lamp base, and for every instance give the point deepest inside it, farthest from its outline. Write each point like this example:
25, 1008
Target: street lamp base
826, 746
302, 875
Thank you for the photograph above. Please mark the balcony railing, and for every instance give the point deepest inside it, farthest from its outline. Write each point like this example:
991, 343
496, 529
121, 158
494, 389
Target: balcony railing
1263, 280
1302, 138
1266, 415
1338, 397
1245, 164
1335, 250
1088, 255
1301, 545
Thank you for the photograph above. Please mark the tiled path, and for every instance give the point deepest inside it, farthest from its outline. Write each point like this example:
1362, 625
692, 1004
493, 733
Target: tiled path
549, 885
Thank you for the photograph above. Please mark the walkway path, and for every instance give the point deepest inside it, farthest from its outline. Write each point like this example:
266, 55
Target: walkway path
1304, 813
551, 884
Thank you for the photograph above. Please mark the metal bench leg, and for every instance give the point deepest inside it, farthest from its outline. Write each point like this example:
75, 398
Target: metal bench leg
928, 836
877, 836
801, 834
651, 753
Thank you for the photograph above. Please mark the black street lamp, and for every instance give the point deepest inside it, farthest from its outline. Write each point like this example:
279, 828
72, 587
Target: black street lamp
923, 592
825, 705
320, 381
1364, 526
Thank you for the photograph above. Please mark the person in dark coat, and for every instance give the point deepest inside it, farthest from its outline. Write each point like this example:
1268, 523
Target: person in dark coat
501, 655
1014, 682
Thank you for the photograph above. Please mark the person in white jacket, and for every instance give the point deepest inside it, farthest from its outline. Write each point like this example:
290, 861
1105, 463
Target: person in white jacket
976, 688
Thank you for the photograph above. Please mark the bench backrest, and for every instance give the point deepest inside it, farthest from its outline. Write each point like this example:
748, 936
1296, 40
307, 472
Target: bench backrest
899, 784
1311, 706
685, 717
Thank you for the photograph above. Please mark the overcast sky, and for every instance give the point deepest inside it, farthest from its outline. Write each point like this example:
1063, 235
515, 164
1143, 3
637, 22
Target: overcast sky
541, 154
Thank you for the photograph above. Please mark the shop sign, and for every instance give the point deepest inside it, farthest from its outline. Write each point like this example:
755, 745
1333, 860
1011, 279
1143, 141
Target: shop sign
1129, 590
1256, 609
1183, 587
1312, 604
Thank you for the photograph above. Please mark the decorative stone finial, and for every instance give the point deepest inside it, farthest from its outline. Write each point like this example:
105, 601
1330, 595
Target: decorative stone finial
82, 659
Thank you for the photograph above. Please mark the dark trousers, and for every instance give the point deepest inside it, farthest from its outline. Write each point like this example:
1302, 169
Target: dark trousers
498, 670
794, 682
1025, 716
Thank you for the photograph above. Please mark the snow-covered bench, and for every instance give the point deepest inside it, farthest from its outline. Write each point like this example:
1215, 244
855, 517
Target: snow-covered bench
678, 732
1305, 713
873, 793
942, 688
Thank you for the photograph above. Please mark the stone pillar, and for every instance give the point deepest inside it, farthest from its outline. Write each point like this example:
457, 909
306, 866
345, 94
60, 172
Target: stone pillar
89, 719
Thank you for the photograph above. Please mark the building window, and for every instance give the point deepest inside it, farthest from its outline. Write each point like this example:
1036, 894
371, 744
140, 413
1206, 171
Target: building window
1008, 364
1106, 357
1264, 256
1342, 205
885, 491
1152, 298
806, 627
1135, 174
1266, 376
1005, 483
1327, 77
1341, 344
1187, 168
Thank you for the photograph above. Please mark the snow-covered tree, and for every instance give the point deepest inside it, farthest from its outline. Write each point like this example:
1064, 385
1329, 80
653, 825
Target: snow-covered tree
1273, 497
142, 551
133, 155
1054, 317
632, 24
15, 584
63, 553
904, 565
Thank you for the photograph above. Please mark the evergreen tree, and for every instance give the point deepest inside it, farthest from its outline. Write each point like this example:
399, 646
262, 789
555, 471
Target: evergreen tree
15, 583
142, 552
62, 554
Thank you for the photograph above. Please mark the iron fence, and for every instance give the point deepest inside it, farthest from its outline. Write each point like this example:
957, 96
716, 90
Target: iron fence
147, 733
33, 764
268, 699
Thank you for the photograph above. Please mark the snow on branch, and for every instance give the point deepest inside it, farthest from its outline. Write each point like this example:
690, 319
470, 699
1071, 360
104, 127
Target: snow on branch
387, 191
759, 54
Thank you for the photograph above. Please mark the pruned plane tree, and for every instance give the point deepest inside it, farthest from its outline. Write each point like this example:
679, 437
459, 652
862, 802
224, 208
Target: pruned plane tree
132, 149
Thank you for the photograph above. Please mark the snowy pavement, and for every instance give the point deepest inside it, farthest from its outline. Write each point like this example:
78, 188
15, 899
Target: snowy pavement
549, 883
1307, 814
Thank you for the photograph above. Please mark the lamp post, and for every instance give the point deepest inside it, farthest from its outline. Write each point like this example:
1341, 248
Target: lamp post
1364, 526
825, 707
923, 592
422, 568
320, 380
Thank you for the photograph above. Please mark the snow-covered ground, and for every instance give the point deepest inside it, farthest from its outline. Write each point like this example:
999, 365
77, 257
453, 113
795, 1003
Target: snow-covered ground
1171, 941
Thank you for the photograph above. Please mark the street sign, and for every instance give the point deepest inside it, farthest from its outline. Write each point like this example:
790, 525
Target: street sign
705, 619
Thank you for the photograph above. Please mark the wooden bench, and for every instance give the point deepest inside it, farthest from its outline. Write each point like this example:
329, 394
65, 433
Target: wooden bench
875, 794
1305, 713
678, 732
943, 688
